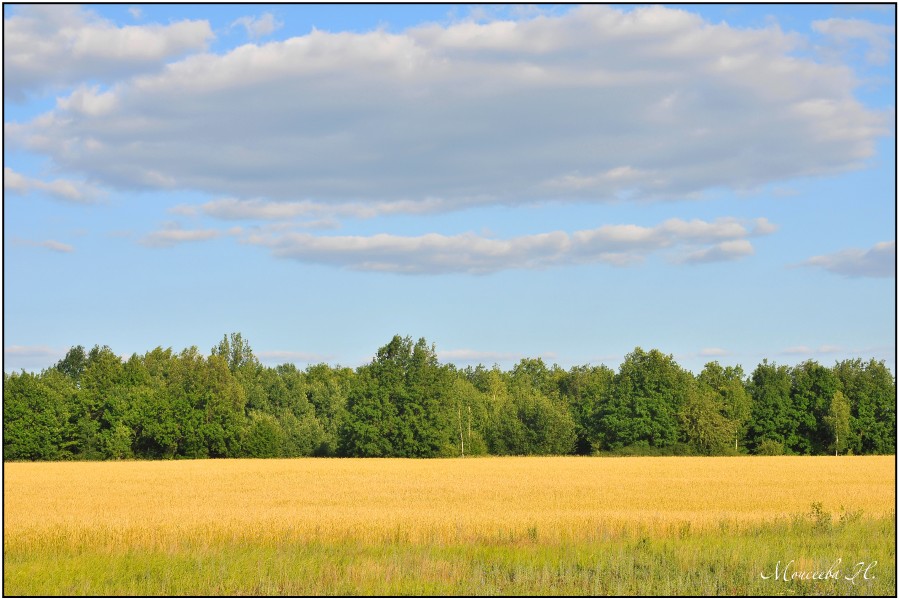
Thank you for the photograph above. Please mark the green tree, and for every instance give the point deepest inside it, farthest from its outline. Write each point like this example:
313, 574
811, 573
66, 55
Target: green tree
73, 364
304, 436
236, 352
327, 390
151, 415
471, 419
811, 391
222, 402
98, 406
402, 405
646, 397
729, 386
837, 420
586, 389
534, 373
369, 428
157, 432
772, 409
528, 423
33, 418
263, 436
871, 391
703, 420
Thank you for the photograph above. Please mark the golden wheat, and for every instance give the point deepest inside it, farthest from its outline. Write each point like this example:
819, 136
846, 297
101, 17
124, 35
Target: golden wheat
157, 505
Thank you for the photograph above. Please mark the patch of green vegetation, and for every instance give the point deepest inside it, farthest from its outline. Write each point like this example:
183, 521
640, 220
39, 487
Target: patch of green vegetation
771, 559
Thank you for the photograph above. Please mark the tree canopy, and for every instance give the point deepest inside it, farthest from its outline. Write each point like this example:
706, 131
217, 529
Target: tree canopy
94, 405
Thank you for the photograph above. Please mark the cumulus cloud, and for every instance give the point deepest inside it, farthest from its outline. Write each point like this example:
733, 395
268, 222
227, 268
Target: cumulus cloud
261, 26
59, 189
615, 245
879, 261
45, 47
596, 104
879, 38
89, 101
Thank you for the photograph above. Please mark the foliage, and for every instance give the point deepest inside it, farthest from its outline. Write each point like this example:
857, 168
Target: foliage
703, 420
837, 420
93, 405
772, 418
647, 394
770, 447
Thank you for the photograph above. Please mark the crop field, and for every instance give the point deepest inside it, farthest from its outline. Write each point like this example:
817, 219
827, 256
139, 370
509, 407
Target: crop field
542, 526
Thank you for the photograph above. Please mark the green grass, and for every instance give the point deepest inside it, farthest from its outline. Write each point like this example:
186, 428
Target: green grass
720, 562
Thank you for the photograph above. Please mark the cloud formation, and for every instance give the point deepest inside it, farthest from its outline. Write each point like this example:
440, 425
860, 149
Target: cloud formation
258, 209
879, 38
616, 245
801, 350
60, 189
261, 26
714, 352
173, 235
879, 261
30, 357
597, 104
45, 47
48, 244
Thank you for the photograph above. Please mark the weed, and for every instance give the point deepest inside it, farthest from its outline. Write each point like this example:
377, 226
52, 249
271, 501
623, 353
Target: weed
821, 519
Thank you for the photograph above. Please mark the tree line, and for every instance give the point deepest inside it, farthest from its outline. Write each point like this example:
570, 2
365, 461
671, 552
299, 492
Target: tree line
93, 405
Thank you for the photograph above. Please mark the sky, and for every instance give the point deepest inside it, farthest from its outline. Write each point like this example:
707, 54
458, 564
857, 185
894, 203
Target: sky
565, 182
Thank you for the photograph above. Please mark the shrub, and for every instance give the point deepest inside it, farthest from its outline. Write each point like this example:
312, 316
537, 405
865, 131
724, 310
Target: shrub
770, 447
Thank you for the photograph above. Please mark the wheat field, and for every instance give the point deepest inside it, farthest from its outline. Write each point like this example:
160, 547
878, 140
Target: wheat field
227, 526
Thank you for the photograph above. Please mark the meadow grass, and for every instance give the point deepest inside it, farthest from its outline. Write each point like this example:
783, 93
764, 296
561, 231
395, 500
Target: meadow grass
544, 526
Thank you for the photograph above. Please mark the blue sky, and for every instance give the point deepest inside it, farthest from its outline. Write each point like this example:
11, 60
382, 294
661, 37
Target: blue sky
563, 182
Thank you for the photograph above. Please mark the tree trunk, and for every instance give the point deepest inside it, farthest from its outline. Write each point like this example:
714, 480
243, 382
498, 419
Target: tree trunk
461, 439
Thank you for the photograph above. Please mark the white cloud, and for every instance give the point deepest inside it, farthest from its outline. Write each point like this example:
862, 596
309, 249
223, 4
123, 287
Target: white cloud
713, 352
879, 38
173, 234
30, 357
54, 45
88, 101
259, 209
806, 350
49, 244
30, 350
615, 245
57, 246
721, 252
60, 189
261, 26
594, 105
135, 12
879, 261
